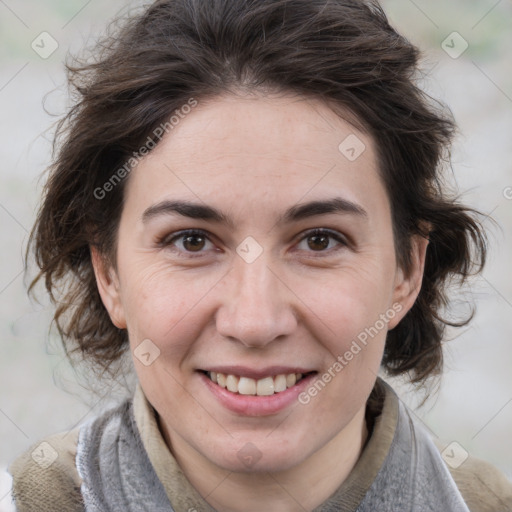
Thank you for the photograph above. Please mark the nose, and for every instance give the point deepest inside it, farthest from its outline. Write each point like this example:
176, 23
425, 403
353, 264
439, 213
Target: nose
257, 307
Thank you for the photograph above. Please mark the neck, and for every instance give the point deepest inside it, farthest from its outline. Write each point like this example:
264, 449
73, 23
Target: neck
302, 487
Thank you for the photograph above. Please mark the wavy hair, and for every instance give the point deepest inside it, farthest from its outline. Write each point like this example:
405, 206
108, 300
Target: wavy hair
343, 52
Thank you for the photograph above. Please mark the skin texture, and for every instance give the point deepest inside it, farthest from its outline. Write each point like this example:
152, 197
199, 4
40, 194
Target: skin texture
201, 304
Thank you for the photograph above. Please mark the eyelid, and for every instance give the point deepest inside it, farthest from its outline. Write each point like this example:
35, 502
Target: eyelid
167, 241
341, 239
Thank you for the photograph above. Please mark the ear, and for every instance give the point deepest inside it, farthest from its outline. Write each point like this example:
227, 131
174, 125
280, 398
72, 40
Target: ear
407, 287
108, 287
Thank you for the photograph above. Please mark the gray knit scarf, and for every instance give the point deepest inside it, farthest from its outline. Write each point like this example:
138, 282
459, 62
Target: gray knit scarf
118, 476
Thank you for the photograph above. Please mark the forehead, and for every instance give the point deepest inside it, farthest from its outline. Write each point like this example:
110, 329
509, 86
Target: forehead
284, 126
257, 150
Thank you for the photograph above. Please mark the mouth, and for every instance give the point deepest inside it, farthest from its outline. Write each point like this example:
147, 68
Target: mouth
264, 386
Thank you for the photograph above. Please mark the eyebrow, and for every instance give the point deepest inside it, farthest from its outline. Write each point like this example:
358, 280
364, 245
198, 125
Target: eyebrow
293, 214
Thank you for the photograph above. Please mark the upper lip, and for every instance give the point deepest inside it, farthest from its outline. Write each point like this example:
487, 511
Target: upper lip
256, 374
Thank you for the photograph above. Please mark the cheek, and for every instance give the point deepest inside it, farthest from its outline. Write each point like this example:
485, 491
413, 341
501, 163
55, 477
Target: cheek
349, 312
162, 303
349, 300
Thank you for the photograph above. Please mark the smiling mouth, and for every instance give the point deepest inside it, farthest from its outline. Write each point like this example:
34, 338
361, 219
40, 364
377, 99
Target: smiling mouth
256, 387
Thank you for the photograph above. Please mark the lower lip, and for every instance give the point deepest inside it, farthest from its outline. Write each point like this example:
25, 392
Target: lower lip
250, 405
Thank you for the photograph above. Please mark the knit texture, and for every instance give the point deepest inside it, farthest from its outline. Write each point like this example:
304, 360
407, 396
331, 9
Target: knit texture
114, 467
39, 486
117, 473
123, 458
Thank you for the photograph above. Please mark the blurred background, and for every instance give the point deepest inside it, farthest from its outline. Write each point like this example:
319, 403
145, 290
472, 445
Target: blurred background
466, 46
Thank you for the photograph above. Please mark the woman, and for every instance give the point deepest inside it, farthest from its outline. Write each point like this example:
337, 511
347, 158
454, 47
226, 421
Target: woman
247, 198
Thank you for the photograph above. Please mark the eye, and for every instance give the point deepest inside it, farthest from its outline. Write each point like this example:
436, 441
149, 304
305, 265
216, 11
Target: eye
198, 241
322, 240
189, 241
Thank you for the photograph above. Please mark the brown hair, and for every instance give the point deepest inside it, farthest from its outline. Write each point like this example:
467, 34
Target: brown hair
341, 51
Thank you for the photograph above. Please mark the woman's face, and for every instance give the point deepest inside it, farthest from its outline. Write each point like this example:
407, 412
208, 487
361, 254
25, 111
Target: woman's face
254, 292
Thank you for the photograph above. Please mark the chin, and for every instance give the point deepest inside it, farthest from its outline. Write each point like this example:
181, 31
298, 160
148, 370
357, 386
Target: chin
253, 456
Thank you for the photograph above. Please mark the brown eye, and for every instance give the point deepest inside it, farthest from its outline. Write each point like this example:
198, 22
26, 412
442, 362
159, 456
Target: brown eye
322, 240
193, 242
188, 242
318, 242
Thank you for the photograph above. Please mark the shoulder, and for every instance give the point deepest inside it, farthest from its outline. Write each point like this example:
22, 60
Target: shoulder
45, 477
483, 487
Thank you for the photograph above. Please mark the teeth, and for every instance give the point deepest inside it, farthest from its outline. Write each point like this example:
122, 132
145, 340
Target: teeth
291, 380
265, 387
231, 383
279, 383
221, 379
246, 386
262, 387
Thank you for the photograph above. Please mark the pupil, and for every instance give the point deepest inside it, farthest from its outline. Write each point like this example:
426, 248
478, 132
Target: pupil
321, 241
188, 242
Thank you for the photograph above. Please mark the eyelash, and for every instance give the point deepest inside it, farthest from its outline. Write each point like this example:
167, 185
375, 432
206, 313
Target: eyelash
168, 241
